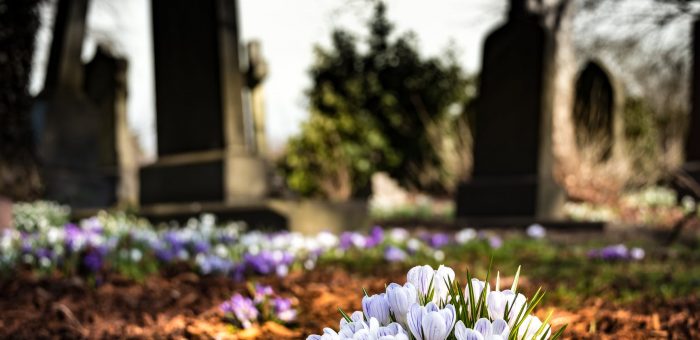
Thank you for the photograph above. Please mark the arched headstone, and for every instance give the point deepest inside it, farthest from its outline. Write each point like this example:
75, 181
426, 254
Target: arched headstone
594, 111
512, 176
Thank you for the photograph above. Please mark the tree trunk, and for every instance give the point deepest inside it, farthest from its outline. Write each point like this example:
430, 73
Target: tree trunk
19, 179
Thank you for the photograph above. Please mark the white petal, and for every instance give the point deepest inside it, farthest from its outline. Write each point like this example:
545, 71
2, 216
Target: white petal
434, 327
500, 327
449, 314
415, 320
464, 333
483, 326
496, 303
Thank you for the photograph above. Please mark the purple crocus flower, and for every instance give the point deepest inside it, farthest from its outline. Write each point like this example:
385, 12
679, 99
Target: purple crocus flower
260, 263
438, 240
94, 258
242, 308
201, 246
262, 292
376, 236
267, 262
283, 309
495, 242
616, 252
164, 254
214, 264
74, 238
173, 240
346, 240
394, 254
238, 272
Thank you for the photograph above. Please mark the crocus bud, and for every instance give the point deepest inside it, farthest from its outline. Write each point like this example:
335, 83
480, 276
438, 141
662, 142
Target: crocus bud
420, 277
376, 306
400, 300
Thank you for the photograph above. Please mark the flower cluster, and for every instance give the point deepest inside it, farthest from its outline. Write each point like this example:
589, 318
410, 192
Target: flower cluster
264, 305
398, 244
134, 247
432, 305
618, 252
39, 215
71, 247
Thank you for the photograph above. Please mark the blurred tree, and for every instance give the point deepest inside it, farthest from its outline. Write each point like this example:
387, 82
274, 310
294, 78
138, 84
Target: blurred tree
386, 109
19, 178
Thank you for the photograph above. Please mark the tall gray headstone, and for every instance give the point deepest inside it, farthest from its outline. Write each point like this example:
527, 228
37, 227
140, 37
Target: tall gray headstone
203, 153
512, 176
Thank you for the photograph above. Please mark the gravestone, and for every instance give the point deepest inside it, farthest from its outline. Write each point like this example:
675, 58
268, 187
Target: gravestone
75, 128
512, 177
594, 111
106, 86
203, 152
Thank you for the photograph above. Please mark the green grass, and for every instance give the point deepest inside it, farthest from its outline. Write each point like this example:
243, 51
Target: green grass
564, 270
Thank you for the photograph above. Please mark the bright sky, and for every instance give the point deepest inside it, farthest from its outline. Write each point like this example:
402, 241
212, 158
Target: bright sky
287, 30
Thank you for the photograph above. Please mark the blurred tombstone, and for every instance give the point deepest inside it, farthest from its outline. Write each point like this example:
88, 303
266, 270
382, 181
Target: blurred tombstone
76, 128
597, 112
203, 152
512, 178
106, 86
691, 167
257, 71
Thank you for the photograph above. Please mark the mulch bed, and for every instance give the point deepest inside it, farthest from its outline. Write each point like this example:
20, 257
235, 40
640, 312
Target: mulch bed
186, 306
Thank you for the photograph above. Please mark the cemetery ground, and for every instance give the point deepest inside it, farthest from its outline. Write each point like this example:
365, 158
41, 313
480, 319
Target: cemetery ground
599, 292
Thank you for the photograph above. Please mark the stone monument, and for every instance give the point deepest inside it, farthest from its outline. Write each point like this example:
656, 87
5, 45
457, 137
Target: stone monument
75, 117
203, 152
512, 178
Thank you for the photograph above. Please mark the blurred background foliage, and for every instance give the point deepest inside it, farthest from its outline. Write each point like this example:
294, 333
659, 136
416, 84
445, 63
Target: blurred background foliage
381, 106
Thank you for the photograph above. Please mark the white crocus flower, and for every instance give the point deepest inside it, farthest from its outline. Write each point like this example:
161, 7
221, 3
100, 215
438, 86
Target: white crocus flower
443, 276
477, 289
497, 301
377, 306
431, 323
422, 276
400, 299
328, 334
483, 330
536, 231
465, 235
529, 329
359, 329
357, 316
